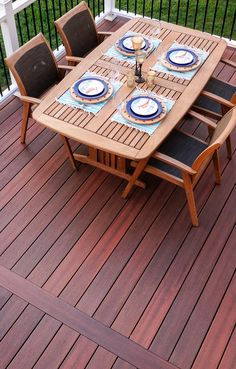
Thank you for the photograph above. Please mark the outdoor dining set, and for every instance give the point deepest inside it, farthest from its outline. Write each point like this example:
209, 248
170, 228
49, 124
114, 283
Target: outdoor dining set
126, 95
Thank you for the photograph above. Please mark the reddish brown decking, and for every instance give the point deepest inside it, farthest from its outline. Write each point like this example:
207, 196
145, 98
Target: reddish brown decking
71, 245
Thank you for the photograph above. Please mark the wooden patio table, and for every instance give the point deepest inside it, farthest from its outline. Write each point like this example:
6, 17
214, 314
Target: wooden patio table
109, 143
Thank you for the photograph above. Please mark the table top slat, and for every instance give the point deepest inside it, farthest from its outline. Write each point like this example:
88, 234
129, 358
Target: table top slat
99, 131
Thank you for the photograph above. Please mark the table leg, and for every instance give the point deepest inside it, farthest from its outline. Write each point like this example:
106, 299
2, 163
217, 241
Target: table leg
119, 169
134, 178
69, 151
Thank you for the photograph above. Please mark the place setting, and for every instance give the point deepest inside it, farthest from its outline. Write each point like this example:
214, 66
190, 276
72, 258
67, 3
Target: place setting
91, 92
144, 110
126, 47
181, 61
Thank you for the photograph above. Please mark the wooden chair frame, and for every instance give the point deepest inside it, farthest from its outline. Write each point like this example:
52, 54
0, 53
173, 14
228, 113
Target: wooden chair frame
190, 175
60, 23
225, 105
30, 102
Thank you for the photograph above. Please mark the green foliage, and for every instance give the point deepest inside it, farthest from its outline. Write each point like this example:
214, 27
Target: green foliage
211, 13
202, 15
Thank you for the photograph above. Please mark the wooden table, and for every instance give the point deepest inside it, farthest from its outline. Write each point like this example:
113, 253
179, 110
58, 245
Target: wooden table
111, 143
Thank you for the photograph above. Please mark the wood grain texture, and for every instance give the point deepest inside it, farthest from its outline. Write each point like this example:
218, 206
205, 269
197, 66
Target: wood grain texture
75, 319
72, 235
88, 133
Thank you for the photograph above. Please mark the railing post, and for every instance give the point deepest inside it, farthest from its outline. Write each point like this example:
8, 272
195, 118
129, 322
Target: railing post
109, 6
9, 31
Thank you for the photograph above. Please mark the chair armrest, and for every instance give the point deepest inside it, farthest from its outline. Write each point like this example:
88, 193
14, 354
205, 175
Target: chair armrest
103, 33
173, 162
28, 99
102, 36
75, 59
65, 67
202, 118
217, 99
206, 112
228, 62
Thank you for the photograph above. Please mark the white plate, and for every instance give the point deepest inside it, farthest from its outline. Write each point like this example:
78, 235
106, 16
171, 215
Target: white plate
91, 87
181, 57
144, 106
127, 42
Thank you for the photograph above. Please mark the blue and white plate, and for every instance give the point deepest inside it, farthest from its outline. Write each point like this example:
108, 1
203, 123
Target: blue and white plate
125, 44
91, 87
144, 107
181, 57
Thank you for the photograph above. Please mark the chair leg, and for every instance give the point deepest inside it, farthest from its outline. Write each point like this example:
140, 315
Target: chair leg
25, 119
69, 151
190, 198
228, 140
229, 148
216, 163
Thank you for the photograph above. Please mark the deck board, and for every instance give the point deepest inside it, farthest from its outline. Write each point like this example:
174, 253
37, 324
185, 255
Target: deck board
136, 266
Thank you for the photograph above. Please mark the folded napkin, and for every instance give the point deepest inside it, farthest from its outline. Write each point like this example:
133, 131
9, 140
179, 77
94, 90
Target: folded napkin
149, 129
159, 67
67, 99
114, 53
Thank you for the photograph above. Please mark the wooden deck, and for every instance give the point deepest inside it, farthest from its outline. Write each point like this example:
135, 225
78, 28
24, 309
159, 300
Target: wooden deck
90, 280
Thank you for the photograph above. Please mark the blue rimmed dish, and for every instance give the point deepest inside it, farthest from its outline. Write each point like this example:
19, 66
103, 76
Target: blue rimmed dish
144, 108
181, 57
91, 88
125, 44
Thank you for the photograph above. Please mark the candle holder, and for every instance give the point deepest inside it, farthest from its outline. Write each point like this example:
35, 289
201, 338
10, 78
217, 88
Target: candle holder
140, 57
137, 42
130, 78
151, 78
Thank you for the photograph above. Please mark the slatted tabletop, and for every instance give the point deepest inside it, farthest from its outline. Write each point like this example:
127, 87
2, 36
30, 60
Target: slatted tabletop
100, 131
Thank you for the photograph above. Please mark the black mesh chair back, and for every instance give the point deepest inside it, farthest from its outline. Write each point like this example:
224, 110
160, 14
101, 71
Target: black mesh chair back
81, 33
34, 67
220, 88
78, 30
37, 70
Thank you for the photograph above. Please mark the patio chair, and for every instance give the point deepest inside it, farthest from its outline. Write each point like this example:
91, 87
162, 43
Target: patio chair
182, 158
79, 33
35, 71
217, 98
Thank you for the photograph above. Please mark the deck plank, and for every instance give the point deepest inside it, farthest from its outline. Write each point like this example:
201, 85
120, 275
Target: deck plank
43, 302
177, 317
221, 328
229, 358
136, 268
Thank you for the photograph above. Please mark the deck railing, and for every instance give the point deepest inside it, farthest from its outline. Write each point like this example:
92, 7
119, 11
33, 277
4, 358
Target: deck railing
214, 16
22, 19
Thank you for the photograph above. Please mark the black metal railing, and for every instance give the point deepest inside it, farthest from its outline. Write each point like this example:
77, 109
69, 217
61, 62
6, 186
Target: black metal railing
213, 16
39, 17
